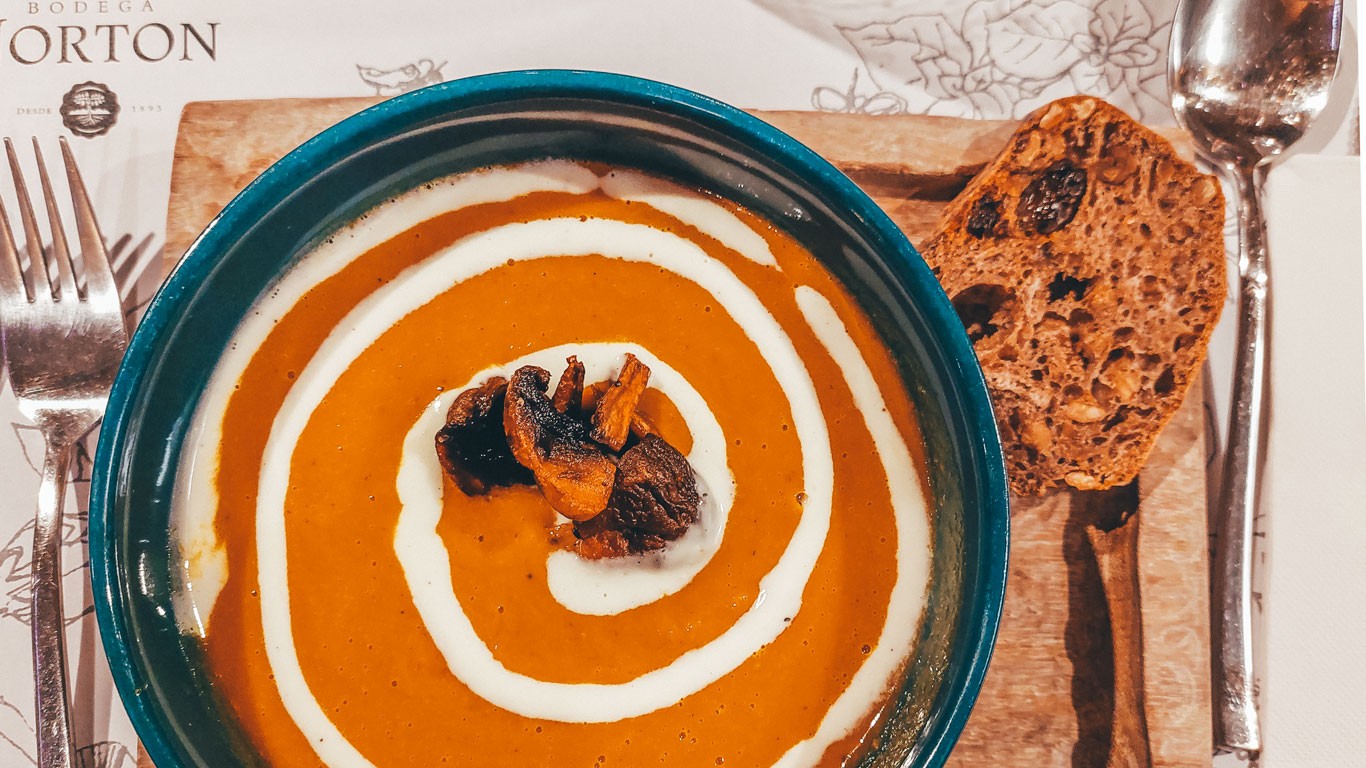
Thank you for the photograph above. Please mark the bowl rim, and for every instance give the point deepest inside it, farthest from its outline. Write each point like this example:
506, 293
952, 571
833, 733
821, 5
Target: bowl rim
978, 629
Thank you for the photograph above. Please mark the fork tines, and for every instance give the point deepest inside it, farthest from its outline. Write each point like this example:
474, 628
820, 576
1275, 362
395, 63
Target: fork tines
52, 273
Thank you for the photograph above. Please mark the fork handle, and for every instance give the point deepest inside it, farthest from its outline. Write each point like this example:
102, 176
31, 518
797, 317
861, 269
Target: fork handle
1235, 706
49, 625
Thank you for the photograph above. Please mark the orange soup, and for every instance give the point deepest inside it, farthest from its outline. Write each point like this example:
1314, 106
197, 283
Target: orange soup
357, 609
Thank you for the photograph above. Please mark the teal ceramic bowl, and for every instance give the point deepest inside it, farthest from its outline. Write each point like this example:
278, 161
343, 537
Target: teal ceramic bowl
500, 119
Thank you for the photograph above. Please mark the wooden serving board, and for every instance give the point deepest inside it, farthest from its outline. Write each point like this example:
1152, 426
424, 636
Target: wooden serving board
1049, 696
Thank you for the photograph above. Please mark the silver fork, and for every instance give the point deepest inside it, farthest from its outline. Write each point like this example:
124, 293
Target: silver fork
63, 343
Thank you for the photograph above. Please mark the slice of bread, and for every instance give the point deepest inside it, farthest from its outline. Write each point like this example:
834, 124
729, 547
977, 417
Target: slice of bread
1087, 264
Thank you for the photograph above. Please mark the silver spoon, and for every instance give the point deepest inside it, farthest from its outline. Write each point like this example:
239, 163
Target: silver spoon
1247, 77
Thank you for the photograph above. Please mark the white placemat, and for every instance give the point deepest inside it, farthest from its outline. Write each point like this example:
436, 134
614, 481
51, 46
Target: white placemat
1313, 673
976, 58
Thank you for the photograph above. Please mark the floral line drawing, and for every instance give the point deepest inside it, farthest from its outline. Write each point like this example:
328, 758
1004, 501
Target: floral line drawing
1000, 59
409, 77
17, 732
16, 571
850, 101
105, 754
30, 440
21, 737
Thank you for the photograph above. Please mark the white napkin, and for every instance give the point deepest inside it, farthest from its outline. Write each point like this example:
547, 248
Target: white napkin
1313, 672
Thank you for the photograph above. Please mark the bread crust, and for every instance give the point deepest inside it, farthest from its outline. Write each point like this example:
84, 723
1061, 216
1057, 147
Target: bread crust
1087, 264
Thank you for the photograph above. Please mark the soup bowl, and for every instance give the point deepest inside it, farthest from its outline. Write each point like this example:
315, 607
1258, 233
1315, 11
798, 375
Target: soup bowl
502, 119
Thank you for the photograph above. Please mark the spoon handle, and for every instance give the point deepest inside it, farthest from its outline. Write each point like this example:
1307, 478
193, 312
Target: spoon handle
1235, 706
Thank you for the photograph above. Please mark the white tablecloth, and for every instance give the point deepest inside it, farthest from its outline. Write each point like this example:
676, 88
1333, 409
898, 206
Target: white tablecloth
1313, 574
982, 58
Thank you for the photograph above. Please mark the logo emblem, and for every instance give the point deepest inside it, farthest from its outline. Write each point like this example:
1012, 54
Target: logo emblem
90, 109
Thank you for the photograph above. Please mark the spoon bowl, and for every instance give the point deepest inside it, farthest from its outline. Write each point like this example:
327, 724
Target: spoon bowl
1249, 76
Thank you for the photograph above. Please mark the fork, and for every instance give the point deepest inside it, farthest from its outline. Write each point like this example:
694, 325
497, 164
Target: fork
63, 341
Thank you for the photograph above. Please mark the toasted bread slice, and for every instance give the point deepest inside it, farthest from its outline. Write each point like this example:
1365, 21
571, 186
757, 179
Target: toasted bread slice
1087, 264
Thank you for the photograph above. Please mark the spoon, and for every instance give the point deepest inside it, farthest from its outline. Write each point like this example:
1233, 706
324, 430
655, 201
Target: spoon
1247, 77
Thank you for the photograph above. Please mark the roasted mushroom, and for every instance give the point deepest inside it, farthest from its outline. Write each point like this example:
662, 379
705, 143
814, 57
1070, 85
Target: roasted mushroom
568, 398
653, 502
471, 446
602, 545
597, 459
641, 425
592, 395
573, 472
612, 417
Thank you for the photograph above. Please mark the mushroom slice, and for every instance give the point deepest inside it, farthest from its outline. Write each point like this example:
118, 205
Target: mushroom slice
592, 395
568, 398
654, 501
604, 544
641, 425
573, 473
612, 417
471, 446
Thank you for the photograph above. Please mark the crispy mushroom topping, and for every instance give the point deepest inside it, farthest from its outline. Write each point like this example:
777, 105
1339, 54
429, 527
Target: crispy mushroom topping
641, 425
568, 398
472, 447
593, 393
573, 472
653, 502
612, 417
597, 459
603, 544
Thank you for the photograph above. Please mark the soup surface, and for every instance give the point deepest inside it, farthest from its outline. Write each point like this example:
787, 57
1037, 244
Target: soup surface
357, 609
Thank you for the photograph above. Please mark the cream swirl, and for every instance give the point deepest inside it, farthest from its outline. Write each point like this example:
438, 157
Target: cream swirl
423, 557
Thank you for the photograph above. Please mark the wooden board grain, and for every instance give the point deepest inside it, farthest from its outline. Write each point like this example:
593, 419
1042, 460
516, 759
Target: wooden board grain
1048, 696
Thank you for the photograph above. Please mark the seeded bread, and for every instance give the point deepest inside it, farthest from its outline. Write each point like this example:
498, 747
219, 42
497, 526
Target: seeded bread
1087, 264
